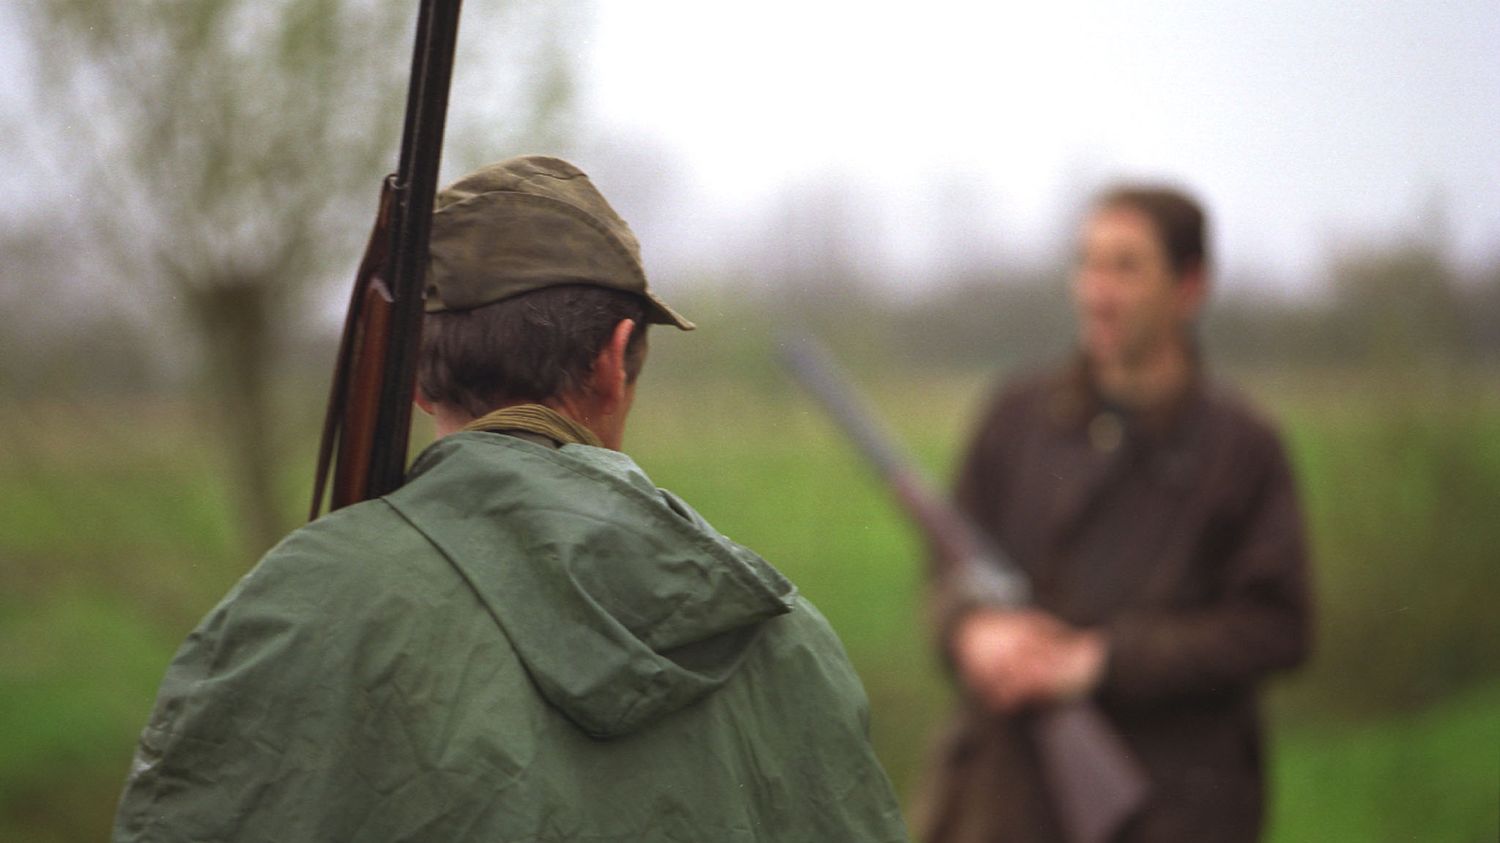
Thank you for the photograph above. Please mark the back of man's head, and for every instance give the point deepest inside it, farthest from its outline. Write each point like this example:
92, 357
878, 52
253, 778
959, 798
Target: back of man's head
528, 348
530, 272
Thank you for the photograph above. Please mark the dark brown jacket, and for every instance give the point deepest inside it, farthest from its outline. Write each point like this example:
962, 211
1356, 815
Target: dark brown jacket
1180, 537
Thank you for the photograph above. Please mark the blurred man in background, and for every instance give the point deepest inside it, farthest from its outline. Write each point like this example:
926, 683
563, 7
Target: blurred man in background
528, 640
1157, 518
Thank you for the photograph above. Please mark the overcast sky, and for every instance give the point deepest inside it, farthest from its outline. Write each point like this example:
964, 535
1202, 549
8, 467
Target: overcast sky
1303, 124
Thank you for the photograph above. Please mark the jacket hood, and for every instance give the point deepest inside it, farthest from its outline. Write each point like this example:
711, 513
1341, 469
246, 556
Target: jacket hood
621, 601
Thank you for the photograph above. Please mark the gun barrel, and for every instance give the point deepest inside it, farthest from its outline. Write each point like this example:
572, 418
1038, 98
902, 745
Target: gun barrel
816, 371
415, 187
368, 422
1097, 783
958, 548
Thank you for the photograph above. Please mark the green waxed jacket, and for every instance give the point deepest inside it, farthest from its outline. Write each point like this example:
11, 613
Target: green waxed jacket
521, 644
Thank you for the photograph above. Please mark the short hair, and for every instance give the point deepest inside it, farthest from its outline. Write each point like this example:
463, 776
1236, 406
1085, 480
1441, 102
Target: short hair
1178, 218
527, 348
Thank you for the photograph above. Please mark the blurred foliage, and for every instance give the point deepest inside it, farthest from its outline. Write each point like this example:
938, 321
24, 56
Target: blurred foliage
1400, 471
48, 345
1388, 307
231, 153
193, 126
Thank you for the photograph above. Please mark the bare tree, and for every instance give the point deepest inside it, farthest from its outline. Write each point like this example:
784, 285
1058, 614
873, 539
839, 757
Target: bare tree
228, 154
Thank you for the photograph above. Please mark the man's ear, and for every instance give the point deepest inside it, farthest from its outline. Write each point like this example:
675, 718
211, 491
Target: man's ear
423, 402
1192, 290
609, 375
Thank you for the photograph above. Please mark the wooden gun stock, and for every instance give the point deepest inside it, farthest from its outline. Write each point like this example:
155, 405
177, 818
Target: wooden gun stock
348, 426
1096, 784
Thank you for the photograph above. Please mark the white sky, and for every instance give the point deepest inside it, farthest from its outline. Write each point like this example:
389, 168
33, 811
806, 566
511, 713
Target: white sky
1301, 123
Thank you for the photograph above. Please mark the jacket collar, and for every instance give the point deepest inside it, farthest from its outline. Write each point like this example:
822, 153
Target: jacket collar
1076, 405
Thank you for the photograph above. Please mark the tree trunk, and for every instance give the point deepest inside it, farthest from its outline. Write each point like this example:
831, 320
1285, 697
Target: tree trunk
235, 318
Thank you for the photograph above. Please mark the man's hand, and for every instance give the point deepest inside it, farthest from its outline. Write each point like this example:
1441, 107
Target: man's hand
1014, 659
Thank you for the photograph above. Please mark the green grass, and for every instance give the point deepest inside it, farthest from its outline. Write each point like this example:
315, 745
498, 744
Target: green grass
116, 534
1430, 776
1400, 484
78, 674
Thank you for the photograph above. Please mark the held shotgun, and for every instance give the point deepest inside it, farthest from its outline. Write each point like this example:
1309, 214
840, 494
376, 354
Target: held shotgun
368, 423
1097, 785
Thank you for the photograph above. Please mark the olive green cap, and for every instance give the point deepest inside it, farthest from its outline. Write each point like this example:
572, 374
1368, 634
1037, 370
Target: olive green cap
527, 223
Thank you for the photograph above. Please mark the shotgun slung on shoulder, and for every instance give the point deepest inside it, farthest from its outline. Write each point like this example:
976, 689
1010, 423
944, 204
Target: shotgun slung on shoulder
368, 423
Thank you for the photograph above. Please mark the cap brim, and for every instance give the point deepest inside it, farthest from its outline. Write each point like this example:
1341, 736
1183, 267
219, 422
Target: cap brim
665, 315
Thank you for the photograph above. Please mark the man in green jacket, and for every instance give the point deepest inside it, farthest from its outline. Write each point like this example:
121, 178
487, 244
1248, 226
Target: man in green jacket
528, 641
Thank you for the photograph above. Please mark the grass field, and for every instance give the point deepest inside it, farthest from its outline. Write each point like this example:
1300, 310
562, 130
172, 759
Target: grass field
115, 535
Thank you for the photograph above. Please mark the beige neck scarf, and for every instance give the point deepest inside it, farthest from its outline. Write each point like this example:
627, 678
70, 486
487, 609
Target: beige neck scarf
538, 419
